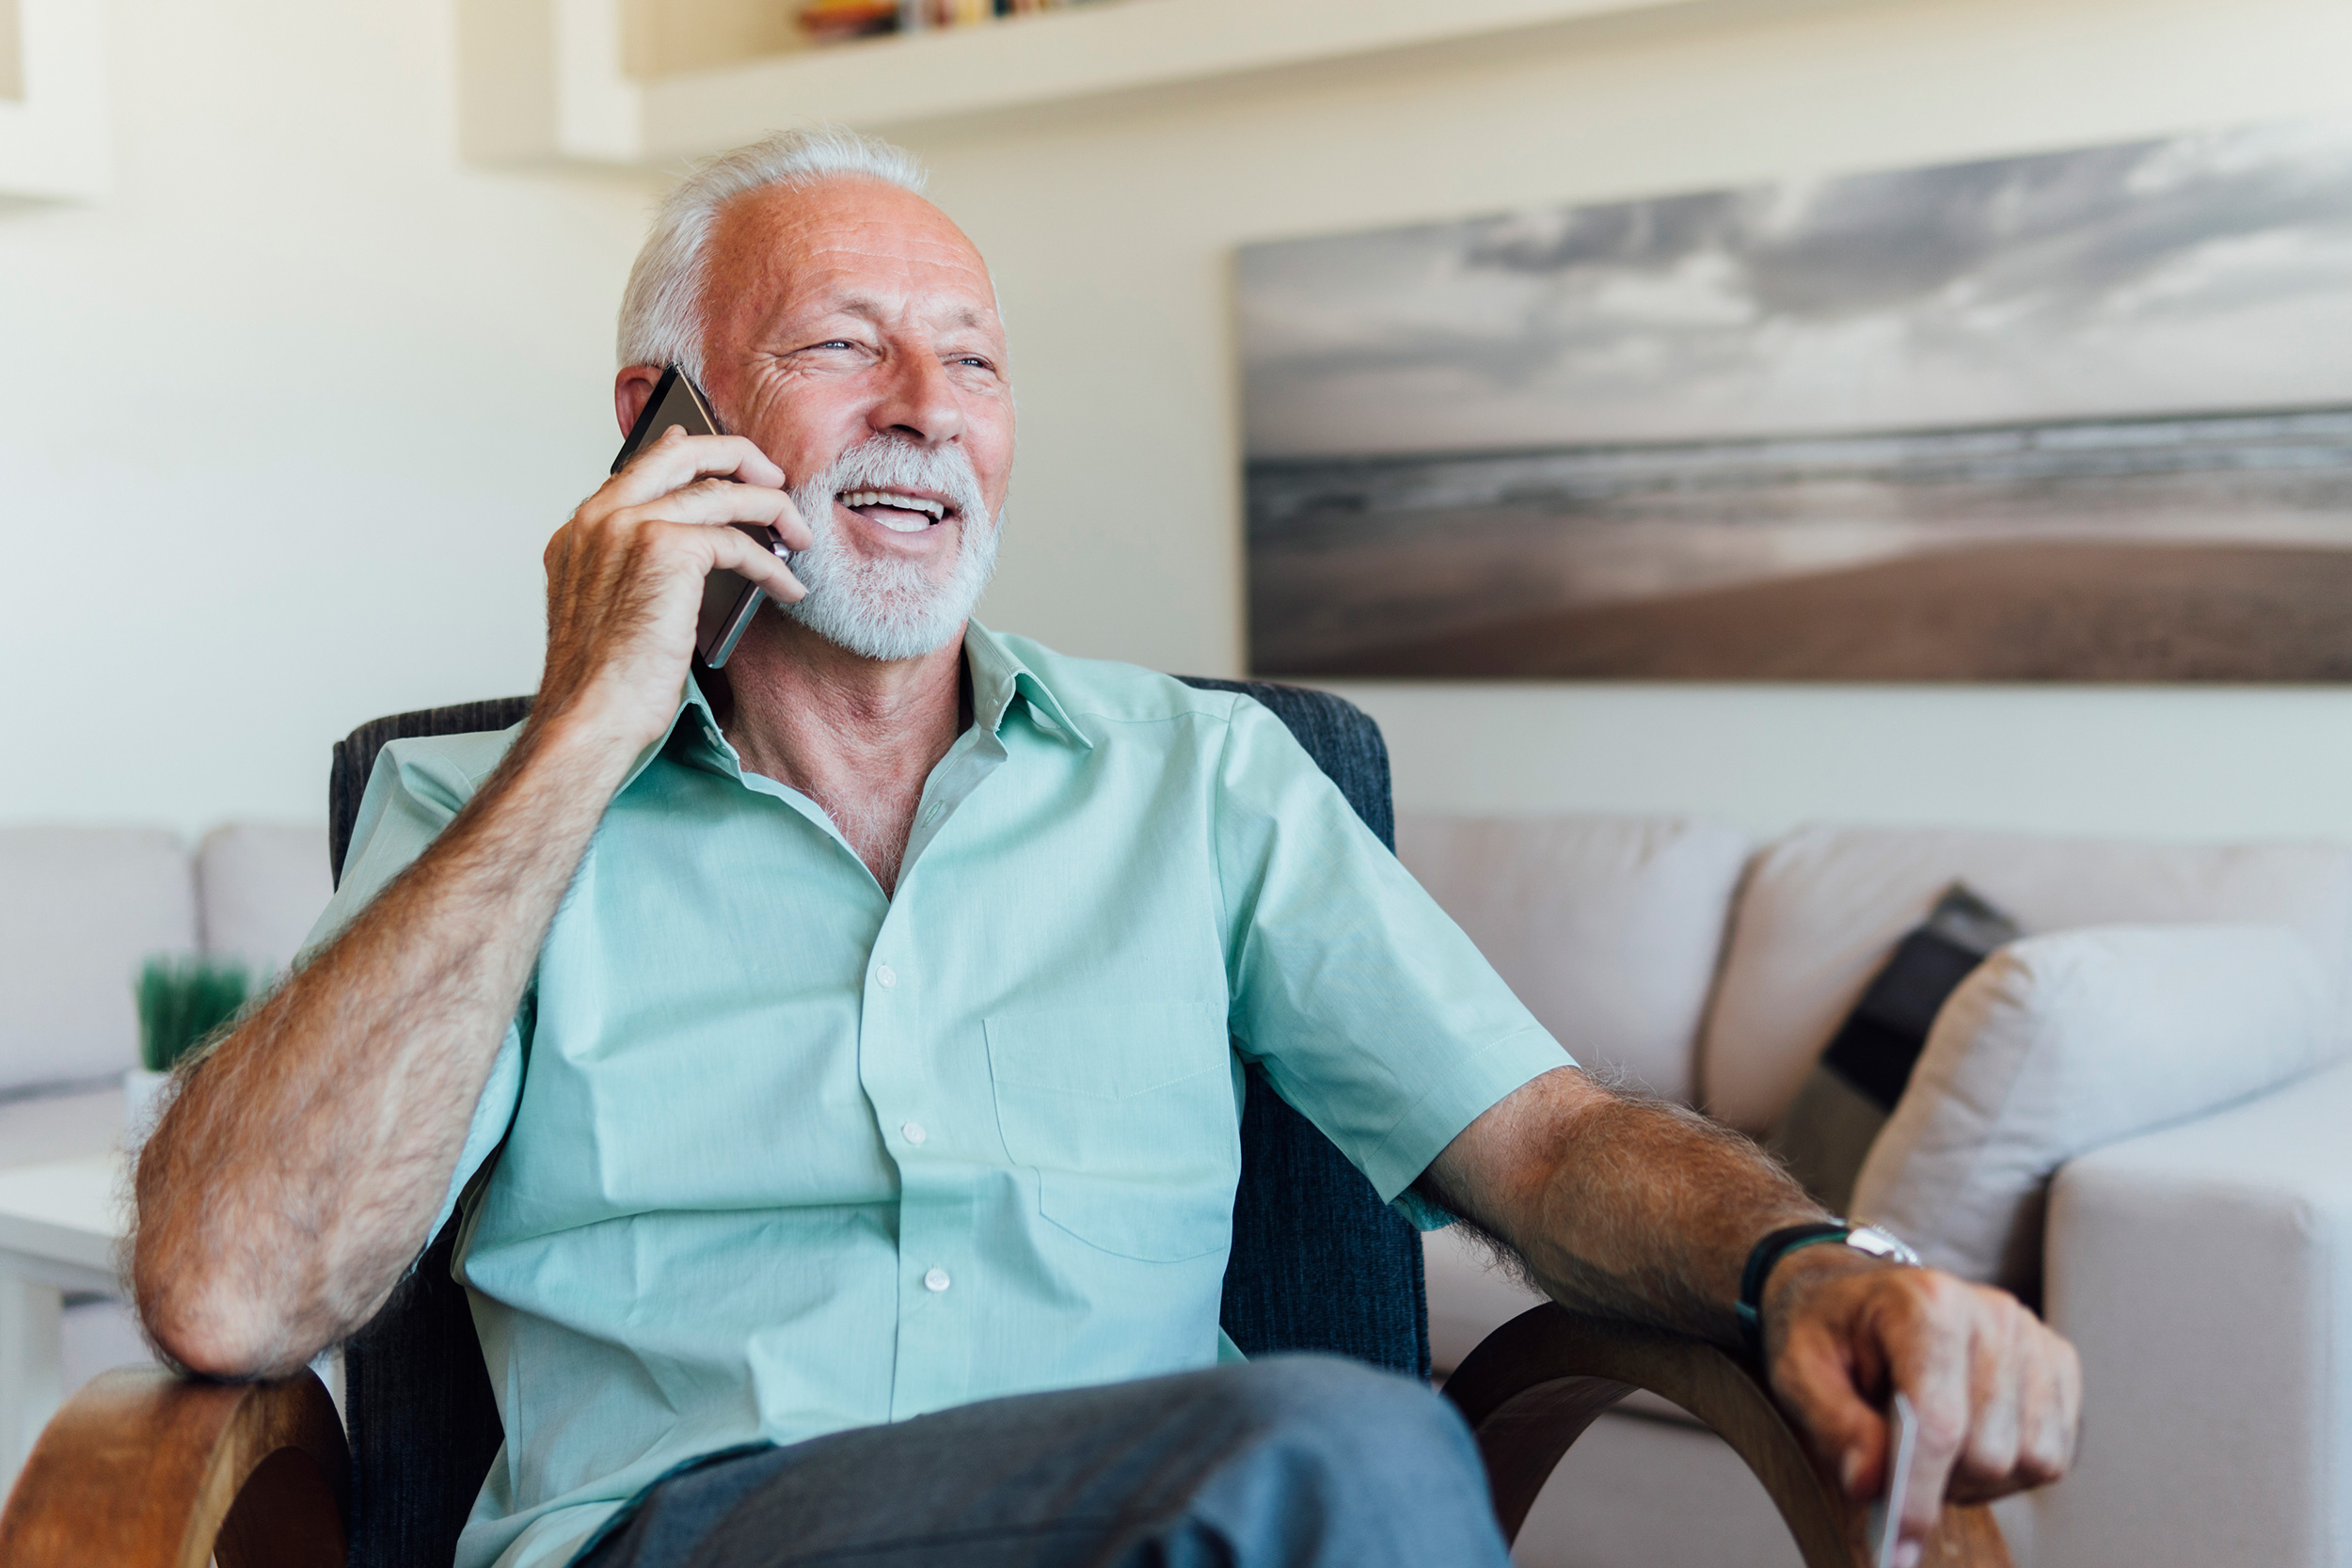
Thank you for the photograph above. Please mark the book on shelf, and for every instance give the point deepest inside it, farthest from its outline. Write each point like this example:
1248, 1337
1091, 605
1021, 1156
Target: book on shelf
828, 21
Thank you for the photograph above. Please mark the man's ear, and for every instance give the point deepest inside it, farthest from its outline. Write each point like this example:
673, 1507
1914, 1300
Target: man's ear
631, 390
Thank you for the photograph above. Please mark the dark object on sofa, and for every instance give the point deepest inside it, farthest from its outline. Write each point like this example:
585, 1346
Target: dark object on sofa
1318, 1263
1827, 1131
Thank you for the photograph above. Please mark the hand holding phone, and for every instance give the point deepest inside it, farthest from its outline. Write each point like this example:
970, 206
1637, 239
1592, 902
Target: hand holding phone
729, 600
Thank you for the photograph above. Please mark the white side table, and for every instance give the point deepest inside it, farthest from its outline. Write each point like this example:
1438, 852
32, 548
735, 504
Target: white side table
60, 1226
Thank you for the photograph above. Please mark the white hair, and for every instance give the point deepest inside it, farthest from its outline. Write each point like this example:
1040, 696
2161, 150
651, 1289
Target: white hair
663, 311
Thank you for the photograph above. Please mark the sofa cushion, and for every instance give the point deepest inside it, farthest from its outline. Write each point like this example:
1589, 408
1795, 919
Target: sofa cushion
1824, 906
2063, 1044
84, 907
260, 888
1608, 927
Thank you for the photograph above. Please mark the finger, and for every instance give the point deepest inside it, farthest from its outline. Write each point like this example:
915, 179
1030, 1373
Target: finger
795, 529
707, 501
678, 459
2047, 1426
735, 551
750, 465
2037, 1417
1930, 1348
1821, 1381
1997, 1386
719, 500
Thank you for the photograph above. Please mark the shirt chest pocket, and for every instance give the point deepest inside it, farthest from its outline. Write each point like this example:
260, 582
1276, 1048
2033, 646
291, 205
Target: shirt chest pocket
1127, 1115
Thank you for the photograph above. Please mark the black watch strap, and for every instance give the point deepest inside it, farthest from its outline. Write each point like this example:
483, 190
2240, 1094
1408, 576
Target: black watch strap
1771, 1250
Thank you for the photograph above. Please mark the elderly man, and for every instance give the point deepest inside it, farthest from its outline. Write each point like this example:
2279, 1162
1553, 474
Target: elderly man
833, 1058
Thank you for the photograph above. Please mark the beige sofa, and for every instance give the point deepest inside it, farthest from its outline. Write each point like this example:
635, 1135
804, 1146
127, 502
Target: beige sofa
2204, 1270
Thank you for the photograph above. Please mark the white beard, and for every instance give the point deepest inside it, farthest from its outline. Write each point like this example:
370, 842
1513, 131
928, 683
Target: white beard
891, 608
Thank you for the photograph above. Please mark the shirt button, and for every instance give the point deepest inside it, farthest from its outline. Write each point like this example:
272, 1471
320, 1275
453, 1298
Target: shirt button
887, 976
913, 1132
936, 1281
934, 812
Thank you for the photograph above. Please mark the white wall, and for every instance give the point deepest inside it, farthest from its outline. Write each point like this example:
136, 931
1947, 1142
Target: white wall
285, 420
272, 463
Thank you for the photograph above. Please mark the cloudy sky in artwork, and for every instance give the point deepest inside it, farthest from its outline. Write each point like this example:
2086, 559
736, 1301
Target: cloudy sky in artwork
2204, 272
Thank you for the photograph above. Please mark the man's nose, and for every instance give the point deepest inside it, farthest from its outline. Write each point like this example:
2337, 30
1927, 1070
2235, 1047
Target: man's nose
918, 401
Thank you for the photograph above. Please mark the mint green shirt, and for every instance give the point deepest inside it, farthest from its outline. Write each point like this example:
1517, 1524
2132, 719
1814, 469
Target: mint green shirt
777, 1155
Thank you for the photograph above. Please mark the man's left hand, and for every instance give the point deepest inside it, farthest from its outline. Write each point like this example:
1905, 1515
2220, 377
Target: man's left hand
1998, 1395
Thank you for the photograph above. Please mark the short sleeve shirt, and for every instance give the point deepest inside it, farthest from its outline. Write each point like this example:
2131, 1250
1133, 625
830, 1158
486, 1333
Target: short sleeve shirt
777, 1155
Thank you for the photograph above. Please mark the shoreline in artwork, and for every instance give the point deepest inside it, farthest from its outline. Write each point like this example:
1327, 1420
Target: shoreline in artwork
1506, 565
2086, 611
2174, 440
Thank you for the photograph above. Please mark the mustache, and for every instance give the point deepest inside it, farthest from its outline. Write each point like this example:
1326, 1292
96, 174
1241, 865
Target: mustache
887, 462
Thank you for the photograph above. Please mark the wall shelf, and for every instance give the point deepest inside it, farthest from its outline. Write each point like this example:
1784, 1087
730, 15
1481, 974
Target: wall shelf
547, 81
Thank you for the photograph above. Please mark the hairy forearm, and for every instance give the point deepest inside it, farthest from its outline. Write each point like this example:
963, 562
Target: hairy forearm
1622, 1207
291, 1183
289, 1186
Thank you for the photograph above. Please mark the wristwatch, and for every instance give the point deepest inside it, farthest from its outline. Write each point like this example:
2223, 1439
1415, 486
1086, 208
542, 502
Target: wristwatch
1780, 1243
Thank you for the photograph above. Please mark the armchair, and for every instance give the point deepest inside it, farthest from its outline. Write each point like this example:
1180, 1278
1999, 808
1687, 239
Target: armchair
145, 1470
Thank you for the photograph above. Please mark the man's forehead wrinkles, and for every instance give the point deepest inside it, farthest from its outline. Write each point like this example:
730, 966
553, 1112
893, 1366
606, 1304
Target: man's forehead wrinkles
787, 261
808, 304
878, 271
784, 296
846, 274
765, 247
789, 264
901, 248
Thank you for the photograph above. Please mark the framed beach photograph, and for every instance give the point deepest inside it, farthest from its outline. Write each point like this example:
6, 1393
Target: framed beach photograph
2083, 416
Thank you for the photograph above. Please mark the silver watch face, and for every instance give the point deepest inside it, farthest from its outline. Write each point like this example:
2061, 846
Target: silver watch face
1881, 1243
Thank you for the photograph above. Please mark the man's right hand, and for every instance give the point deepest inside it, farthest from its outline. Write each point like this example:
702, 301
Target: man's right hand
624, 581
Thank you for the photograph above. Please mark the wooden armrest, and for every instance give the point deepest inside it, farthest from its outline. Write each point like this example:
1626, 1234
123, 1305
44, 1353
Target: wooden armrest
145, 1470
1532, 1386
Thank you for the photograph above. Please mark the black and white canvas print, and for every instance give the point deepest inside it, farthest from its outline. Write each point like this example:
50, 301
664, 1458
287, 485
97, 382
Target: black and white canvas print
2081, 415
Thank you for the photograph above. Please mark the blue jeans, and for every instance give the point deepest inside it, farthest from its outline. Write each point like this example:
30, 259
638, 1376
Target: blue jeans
1292, 1461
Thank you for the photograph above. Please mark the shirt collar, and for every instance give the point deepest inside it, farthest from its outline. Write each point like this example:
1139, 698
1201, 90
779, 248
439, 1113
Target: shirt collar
998, 676
701, 729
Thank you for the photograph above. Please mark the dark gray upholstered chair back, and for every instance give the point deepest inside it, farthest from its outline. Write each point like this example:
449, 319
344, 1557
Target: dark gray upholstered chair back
1319, 1262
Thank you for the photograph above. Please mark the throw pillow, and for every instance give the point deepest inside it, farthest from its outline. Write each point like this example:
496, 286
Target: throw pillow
2061, 1043
1828, 1129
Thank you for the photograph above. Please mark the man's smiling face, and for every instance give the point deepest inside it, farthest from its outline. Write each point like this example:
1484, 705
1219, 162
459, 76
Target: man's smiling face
852, 311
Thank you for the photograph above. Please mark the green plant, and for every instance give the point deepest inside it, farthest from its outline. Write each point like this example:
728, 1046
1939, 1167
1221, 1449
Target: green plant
184, 1002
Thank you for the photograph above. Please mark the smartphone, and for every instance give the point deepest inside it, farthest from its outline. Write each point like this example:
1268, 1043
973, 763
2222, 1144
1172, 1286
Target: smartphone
1887, 1514
729, 601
